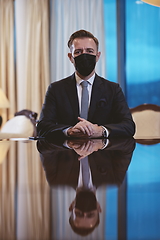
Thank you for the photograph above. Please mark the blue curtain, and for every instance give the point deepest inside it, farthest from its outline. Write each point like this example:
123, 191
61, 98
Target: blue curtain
142, 86
142, 50
110, 39
142, 53
111, 214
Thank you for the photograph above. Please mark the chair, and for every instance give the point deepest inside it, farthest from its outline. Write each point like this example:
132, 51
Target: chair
147, 120
23, 124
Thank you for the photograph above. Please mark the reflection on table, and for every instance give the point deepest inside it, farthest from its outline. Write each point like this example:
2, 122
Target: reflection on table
63, 166
24, 193
41, 181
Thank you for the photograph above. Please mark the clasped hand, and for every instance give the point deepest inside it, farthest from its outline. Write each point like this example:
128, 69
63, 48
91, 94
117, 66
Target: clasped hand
84, 147
85, 129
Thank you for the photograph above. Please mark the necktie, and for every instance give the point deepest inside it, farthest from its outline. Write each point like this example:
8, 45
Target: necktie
85, 171
84, 100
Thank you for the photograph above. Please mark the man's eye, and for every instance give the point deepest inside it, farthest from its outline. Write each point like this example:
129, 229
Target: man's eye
90, 51
77, 52
91, 215
79, 214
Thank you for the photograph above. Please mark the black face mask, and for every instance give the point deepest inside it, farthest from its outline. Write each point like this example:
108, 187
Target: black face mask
86, 201
85, 64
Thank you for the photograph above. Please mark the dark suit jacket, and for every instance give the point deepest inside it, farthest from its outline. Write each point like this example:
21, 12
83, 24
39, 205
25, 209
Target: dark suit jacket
108, 107
108, 166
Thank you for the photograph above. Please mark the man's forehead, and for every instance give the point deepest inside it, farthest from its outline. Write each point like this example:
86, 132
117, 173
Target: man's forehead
83, 42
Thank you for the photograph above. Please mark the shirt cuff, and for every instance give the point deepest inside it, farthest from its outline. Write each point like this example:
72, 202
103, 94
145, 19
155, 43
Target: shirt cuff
106, 132
105, 143
65, 131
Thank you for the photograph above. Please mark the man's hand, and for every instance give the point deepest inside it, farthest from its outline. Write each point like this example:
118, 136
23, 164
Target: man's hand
85, 147
85, 129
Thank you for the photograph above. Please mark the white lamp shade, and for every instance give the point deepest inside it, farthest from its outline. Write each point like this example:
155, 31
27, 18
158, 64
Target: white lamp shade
152, 2
4, 103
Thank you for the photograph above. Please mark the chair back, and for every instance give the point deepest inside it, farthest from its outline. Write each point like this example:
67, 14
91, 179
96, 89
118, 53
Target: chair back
147, 120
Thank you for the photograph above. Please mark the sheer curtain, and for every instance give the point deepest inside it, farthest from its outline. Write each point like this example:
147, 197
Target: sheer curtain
32, 52
37, 53
32, 38
7, 83
69, 16
7, 72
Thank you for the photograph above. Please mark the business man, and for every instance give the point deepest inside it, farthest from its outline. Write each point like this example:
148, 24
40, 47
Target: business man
108, 114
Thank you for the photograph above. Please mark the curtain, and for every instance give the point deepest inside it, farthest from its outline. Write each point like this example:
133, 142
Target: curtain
20, 25
32, 51
37, 53
67, 17
7, 71
32, 37
7, 83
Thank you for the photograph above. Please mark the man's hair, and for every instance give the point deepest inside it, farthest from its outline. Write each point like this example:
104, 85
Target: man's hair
82, 231
82, 34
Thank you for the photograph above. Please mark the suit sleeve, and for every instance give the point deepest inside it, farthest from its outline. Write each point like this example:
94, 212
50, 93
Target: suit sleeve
48, 122
121, 122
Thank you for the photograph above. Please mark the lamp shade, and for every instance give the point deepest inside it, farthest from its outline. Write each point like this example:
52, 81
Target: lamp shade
4, 103
152, 2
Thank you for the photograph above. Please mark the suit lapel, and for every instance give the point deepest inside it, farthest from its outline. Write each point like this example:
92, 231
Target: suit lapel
97, 92
71, 91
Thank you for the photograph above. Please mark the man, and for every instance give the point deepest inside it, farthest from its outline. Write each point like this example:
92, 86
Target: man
108, 112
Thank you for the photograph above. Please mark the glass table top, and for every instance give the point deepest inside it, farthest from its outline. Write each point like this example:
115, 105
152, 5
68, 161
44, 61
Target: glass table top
42, 194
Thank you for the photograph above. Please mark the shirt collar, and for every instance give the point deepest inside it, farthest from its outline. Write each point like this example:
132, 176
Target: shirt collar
79, 80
